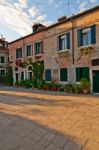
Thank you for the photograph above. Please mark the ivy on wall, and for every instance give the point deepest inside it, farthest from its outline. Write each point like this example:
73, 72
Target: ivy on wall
85, 51
38, 70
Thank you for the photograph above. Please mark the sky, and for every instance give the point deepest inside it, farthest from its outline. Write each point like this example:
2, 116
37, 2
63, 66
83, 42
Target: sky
18, 16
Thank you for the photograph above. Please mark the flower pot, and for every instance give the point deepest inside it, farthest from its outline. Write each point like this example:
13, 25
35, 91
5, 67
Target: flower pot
46, 88
85, 91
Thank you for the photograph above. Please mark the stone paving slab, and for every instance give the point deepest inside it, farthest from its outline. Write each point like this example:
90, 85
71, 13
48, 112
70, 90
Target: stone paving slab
34, 120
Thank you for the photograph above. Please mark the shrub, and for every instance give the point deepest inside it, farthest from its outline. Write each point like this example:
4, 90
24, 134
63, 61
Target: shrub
85, 84
68, 88
26, 83
2, 80
40, 84
9, 76
77, 88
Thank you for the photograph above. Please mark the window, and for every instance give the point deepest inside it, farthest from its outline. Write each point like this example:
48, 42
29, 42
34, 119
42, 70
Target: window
16, 69
63, 74
87, 36
2, 59
30, 68
38, 48
22, 75
82, 73
19, 53
48, 74
95, 62
2, 72
8, 59
63, 42
29, 50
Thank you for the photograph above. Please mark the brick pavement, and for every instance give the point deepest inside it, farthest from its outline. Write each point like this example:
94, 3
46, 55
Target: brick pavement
42, 121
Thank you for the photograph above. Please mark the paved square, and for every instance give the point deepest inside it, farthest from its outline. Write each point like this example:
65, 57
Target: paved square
36, 120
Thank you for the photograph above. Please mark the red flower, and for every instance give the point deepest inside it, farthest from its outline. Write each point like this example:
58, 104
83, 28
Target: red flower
18, 62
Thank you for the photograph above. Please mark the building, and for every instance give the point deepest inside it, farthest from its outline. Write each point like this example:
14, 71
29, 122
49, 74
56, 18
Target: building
69, 48
26, 49
3, 56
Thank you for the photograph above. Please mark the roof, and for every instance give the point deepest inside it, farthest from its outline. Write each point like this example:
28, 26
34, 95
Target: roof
60, 22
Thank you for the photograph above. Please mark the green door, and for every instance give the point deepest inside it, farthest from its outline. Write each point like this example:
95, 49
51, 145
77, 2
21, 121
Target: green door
96, 81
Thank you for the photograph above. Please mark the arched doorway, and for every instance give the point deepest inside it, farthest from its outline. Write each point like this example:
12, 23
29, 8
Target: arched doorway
30, 73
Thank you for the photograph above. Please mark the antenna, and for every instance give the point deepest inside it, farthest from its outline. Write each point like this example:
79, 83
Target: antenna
68, 6
40, 3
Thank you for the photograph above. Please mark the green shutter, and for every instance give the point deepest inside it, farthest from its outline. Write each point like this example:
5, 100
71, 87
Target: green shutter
42, 47
78, 74
82, 72
48, 74
86, 72
58, 43
79, 37
63, 74
35, 47
93, 34
22, 75
16, 53
68, 40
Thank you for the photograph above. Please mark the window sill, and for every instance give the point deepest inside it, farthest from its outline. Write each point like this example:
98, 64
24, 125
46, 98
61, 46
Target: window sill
60, 51
29, 56
19, 58
38, 54
2, 63
63, 82
86, 46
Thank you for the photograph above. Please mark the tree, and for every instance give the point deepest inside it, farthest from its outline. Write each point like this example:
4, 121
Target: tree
9, 76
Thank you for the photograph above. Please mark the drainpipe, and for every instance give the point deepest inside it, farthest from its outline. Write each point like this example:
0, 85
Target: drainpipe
23, 49
73, 55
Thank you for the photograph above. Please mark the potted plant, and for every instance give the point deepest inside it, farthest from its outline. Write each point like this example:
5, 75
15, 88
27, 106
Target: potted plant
68, 88
16, 84
77, 88
52, 86
46, 86
85, 84
58, 87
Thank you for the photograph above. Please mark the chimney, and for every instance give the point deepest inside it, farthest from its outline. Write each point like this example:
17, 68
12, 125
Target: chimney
37, 27
62, 18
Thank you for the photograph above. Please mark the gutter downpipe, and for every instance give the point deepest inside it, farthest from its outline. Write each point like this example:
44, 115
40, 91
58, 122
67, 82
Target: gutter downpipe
73, 59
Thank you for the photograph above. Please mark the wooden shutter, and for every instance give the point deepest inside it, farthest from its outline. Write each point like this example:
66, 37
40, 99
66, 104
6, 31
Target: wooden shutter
16, 53
63, 74
48, 74
42, 47
22, 75
78, 74
79, 37
58, 43
35, 48
93, 34
86, 72
68, 40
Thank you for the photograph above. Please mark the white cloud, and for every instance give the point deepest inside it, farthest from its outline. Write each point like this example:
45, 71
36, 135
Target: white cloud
13, 16
23, 2
41, 18
83, 6
33, 11
93, 1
